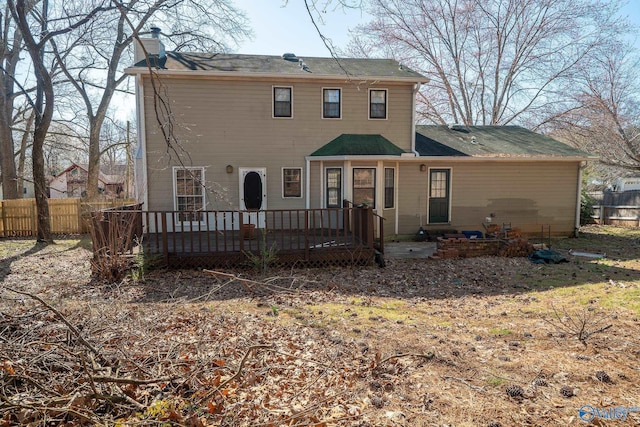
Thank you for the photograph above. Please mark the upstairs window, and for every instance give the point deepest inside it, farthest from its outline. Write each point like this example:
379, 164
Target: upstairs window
292, 182
331, 104
282, 102
377, 103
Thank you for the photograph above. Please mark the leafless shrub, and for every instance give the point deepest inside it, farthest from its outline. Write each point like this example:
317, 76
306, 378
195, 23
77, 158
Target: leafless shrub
579, 324
114, 234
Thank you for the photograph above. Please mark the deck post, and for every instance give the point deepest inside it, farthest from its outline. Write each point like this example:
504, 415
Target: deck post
381, 234
165, 239
370, 227
306, 235
240, 226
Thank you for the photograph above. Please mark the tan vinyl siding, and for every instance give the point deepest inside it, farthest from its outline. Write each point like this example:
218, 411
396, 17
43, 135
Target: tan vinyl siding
526, 194
230, 123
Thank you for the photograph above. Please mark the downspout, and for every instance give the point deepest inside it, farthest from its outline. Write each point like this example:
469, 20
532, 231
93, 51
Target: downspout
578, 200
396, 181
307, 184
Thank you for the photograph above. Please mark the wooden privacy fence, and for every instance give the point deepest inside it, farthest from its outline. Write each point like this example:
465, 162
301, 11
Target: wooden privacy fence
618, 208
67, 216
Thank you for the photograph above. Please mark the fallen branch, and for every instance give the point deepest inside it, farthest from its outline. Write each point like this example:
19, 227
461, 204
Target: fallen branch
237, 373
465, 382
134, 381
64, 320
427, 356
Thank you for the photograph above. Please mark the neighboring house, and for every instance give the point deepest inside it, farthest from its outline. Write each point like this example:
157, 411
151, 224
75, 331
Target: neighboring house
72, 182
28, 191
266, 132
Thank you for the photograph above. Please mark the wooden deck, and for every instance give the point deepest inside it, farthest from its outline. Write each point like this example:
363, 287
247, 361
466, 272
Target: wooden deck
223, 239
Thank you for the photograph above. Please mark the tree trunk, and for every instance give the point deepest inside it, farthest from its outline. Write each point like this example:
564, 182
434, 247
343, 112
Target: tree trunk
94, 160
23, 153
7, 163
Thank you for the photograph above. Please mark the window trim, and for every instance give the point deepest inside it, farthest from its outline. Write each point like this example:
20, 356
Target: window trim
393, 187
175, 170
339, 89
326, 187
273, 102
386, 104
353, 185
300, 182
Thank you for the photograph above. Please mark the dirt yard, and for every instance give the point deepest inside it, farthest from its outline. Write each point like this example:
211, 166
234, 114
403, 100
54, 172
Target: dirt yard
466, 342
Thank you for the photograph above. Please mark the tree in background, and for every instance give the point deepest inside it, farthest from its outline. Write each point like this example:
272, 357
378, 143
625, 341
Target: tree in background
93, 56
10, 50
492, 62
607, 121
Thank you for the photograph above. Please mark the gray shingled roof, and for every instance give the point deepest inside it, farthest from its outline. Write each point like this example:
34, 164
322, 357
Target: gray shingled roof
490, 141
266, 64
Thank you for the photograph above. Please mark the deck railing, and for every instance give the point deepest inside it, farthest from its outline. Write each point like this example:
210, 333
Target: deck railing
229, 237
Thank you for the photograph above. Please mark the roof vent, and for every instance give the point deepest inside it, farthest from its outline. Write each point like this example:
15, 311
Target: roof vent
456, 126
289, 57
303, 66
474, 140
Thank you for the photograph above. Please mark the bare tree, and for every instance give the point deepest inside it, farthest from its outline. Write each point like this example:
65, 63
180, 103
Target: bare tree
608, 119
36, 33
10, 49
93, 56
491, 62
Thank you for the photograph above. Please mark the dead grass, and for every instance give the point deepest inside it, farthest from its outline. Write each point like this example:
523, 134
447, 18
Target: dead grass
418, 343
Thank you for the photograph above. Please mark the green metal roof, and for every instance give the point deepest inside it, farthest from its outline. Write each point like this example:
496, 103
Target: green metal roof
359, 145
490, 141
220, 63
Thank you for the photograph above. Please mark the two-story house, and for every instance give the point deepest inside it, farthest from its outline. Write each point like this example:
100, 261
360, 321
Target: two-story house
251, 132
229, 132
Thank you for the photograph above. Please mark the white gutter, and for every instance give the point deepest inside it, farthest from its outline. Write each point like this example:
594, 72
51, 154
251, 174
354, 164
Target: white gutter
411, 158
221, 75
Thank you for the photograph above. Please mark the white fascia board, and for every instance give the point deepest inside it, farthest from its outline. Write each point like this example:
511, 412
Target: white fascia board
449, 158
355, 158
503, 159
280, 76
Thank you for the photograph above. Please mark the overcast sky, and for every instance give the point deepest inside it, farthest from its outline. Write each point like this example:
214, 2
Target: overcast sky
279, 29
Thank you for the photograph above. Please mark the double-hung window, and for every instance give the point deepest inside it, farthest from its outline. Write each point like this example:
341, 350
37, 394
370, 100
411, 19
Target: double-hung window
282, 102
389, 187
364, 187
334, 187
189, 193
291, 182
377, 103
331, 103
